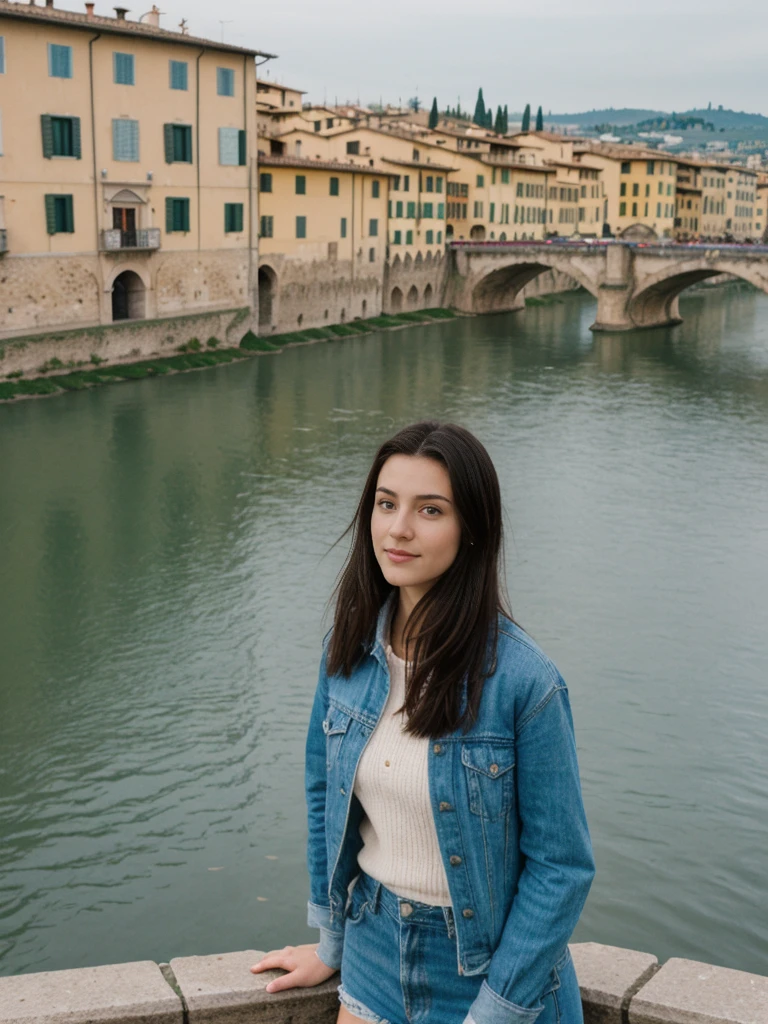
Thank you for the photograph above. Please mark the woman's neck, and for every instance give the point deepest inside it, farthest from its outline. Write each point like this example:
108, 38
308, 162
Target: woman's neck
406, 602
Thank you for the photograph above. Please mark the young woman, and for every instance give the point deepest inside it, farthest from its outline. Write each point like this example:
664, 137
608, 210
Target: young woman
449, 855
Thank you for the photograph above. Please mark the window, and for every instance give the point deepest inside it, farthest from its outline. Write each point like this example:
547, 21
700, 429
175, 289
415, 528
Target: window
225, 82
178, 74
233, 217
430, 183
176, 214
519, 189
2, 55
334, 187
397, 238
409, 237
329, 122
353, 148
178, 143
343, 227
373, 227
478, 210
399, 208
430, 237
125, 140
123, 68
439, 237
658, 209
622, 209
438, 184
634, 209
427, 210
265, 182
491, 211
441, 211
480, 180
371, 255
396, 183
410, 210
61, 136
59, 215
318, 125
623, 188
59, 62
625, 167
650, 167
301, 227
647, 190
406, 183
375, 189
505, 177
231, 147
266, 227
661, 188
301, 185
635, 189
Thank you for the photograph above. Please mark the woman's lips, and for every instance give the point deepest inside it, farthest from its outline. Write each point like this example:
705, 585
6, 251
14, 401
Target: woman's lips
399, 556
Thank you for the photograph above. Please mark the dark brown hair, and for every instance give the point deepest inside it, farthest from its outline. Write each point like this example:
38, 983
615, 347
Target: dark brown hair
451, 634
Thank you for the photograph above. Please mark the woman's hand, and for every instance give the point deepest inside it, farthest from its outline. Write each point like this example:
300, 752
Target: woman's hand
304, 967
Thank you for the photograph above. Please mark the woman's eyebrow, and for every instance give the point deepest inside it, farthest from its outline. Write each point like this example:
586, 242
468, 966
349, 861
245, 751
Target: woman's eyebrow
419, 497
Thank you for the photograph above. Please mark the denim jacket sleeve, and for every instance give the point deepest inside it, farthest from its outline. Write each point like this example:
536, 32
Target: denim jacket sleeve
318, 908
558, 871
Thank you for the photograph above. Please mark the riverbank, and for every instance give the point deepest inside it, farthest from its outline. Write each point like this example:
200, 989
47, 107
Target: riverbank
54, 377
617, 985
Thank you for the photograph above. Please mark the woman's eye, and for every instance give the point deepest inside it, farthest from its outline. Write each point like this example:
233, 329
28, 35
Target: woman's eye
432, 508
385, 502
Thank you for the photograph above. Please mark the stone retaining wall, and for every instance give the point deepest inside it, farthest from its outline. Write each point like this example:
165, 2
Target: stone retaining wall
618, 986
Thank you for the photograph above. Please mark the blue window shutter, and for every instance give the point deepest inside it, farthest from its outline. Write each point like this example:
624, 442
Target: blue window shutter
47, 131
178, 74
2, 55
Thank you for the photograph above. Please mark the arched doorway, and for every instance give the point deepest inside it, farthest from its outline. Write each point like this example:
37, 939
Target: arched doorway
477, 232
428, 296
267, 289
396, 300
448, 231
413, 297
128, 297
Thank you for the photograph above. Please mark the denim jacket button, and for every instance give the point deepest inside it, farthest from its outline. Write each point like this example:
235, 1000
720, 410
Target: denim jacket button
493, 769
437, 748
406, 909
445, 806
455, 861
467, 912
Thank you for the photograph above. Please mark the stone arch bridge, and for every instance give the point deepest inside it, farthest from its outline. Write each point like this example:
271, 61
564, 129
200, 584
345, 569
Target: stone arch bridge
636, 285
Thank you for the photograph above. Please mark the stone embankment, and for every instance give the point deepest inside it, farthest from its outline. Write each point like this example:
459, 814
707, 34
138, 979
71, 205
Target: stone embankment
618, 986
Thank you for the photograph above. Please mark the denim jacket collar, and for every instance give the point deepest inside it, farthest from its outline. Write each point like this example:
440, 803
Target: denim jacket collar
378, 650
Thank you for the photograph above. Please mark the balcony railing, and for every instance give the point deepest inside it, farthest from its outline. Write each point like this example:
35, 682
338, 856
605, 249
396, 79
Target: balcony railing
115, 240
3, 240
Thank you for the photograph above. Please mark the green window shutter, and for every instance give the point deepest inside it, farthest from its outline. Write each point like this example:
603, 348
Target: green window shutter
492, 212
238, 216
373, 227
397, 238
439, 237
265, 182
343, 227
409, 237
47, 130
184, 214
76, 138
430, 237
439, 184
168, 214
50, 214
441, 211
242, 147
301, 227
69, 214
375, 190
301, 185
168, 141
334, 186
178, 71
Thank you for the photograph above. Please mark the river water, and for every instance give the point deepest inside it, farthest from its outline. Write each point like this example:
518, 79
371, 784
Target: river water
166, 557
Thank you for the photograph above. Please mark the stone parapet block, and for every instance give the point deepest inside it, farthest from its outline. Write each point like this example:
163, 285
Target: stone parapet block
689, 992
133, 993
608, 978
220, 989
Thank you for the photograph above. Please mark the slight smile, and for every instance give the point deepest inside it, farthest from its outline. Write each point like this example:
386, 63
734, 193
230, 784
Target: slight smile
399, 556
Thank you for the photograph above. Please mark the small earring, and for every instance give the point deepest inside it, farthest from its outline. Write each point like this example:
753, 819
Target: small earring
471, 543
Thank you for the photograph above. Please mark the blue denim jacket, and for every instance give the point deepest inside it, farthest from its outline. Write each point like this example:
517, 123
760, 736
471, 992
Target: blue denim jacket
506, 799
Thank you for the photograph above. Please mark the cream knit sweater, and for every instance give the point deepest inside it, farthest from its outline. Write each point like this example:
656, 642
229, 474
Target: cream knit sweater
400, 847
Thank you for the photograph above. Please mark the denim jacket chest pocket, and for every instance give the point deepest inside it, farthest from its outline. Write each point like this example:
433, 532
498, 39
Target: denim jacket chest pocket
335, 726
489, 773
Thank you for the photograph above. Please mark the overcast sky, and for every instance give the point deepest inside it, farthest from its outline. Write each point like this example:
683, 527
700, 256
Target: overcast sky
568, 55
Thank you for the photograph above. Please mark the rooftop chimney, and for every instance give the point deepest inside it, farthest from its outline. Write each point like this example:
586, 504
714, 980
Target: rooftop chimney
152, 17
89, 9
120, 12
49, 3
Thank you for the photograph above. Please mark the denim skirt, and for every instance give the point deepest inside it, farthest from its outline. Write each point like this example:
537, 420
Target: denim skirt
400, 965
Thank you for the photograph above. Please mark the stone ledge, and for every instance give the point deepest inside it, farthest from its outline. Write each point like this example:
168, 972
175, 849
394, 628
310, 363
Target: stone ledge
119, 993
608, 978
220, 989
689, 992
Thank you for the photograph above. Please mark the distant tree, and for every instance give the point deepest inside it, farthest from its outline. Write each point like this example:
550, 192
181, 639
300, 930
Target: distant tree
489, 119
479, 117
526, 125
539, 120
414, 104
498, 126
434, 116
506, 118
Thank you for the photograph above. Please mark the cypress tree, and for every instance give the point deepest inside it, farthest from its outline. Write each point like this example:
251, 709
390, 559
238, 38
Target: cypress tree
489, 119
539, 120
526, 125
479, 117
499, 124
506, 118
433, 114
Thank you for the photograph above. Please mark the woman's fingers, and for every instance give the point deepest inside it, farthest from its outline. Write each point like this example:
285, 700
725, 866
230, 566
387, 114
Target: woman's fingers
284, 981
275, 958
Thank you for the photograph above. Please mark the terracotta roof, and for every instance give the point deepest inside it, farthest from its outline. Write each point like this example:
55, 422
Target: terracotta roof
115, 26
268, 160
506, 165
615, 152
277, 85
552, 136
420, 165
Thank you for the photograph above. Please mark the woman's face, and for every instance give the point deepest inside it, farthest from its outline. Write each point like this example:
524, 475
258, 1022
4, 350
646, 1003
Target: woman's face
414, 526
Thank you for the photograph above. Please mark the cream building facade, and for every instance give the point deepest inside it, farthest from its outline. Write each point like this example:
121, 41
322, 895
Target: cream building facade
128, 171
639, 189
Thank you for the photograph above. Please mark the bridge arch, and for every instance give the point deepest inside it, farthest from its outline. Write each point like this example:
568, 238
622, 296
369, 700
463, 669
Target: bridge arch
655, 301
498, 290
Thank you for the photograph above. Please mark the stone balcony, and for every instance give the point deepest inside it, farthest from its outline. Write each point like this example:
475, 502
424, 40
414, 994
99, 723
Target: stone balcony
140, 240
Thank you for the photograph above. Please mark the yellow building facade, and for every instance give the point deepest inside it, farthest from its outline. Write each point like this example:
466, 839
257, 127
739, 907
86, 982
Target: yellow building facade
128, 171
639, 189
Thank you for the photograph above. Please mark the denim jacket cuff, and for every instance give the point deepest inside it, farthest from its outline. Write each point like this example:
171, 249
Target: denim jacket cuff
490, 1008
331, 939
